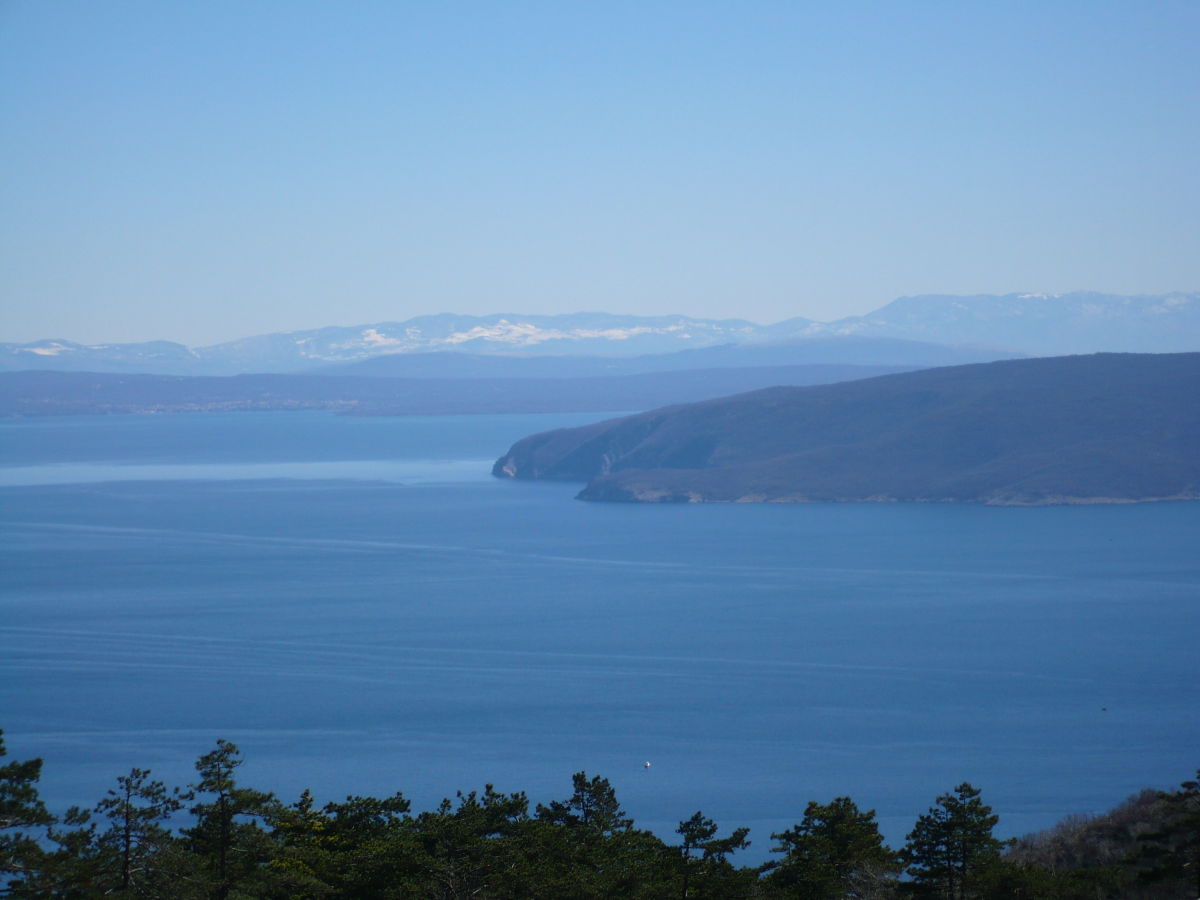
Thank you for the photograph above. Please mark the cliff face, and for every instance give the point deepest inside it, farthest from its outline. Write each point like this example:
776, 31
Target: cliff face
1102, 428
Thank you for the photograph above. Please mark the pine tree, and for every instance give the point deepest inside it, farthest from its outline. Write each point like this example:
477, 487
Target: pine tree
226, 838
593, 808
704, 856
22, 816
594, 848
836, 851
136, 811
952, 841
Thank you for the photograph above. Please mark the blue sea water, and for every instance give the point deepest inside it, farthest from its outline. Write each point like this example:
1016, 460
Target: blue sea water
363, 609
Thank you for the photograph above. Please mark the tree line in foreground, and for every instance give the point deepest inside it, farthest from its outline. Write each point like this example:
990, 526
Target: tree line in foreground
221, 839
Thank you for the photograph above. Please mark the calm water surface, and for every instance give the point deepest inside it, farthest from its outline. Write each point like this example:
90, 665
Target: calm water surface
363, 609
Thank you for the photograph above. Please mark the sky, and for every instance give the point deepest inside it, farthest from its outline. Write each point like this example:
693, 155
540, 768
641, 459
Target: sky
200, 172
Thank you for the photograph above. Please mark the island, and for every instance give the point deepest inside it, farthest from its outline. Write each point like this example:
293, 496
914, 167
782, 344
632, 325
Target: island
1101, 428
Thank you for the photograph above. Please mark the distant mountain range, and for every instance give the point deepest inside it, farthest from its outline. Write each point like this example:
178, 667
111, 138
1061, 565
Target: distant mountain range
1076, 429
1038, 324
991, 325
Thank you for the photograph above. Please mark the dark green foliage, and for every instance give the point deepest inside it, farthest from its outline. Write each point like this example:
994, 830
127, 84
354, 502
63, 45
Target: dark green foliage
470, 848
227, 843
951, 843
705, 868
1005, 879
1169, 855
357, 848
23, 817
137, 811
129, 852
836, 851
241, 843
597, 851
592, 810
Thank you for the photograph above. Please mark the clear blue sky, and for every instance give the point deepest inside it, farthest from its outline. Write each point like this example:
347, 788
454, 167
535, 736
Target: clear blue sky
200, 171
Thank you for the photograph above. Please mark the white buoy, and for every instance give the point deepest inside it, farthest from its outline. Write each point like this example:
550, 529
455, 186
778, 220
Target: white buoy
646, 765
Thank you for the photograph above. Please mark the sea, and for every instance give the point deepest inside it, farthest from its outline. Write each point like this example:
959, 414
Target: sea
363, 609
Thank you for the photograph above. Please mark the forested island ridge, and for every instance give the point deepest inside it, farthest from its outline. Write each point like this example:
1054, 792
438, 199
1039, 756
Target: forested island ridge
1101, 428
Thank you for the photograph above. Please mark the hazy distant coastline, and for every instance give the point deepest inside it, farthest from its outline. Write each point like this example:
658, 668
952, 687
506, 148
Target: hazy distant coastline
84, 393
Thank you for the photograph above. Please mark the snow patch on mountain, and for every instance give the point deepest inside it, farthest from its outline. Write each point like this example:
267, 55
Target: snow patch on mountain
1047, 324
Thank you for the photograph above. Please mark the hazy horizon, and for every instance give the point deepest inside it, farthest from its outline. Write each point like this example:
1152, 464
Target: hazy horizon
193, 344
206, 173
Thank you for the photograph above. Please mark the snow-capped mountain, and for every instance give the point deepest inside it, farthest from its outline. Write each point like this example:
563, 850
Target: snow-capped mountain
149, 356
1044, 324
581, 334
1031, 323
590, 334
